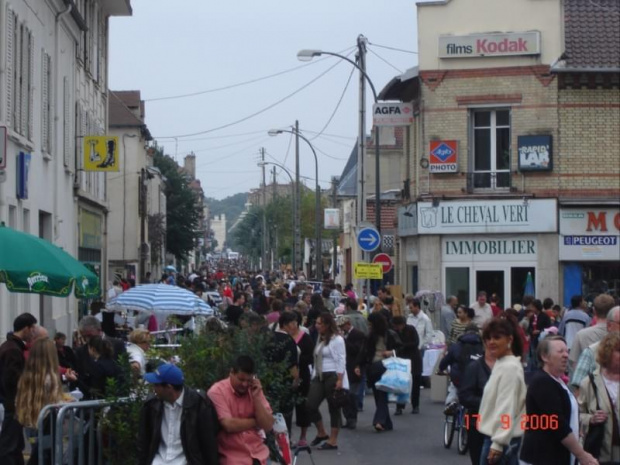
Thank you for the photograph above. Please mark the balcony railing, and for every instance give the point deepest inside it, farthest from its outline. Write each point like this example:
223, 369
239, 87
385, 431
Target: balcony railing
488, 180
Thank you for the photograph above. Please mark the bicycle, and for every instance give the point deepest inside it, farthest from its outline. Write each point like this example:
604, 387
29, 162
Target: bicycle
453, 423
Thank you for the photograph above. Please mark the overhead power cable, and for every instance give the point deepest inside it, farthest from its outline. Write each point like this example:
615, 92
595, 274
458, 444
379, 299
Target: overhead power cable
393, 48
384, 60
239, 84
337, 106
263, 110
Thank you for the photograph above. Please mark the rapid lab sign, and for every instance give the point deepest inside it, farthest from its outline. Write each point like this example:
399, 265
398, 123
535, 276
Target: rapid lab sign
490, 45
392, 114
443, 157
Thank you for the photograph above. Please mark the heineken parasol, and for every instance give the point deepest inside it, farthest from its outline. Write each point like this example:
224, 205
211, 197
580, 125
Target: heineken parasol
30, 264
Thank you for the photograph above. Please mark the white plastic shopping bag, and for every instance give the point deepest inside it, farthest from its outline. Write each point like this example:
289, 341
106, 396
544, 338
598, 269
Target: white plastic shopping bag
282, 439
397, 376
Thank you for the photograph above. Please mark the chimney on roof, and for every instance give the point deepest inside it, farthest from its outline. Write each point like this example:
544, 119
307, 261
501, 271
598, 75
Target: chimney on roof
189, 164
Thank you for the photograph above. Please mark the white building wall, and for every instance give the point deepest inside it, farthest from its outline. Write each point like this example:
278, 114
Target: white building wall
463, 17
67, 104
50, 210
218, 225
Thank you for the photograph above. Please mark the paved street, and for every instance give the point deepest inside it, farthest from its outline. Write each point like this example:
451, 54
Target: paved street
415, 439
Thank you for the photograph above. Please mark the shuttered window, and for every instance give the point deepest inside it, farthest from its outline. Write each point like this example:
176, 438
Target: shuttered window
46, 107
10, 65
19, 75
66, 116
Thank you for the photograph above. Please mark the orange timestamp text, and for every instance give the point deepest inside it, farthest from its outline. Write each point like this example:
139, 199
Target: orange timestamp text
532, 422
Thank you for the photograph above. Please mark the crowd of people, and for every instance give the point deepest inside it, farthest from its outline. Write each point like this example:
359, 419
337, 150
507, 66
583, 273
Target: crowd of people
534, 379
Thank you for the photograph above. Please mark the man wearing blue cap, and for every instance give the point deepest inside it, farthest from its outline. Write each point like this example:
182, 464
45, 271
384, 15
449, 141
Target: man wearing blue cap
177, 425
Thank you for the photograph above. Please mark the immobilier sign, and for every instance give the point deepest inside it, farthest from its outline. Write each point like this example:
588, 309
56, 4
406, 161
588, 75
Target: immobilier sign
489, 45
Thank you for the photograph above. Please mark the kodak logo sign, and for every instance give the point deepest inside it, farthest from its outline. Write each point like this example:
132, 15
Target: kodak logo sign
484, 46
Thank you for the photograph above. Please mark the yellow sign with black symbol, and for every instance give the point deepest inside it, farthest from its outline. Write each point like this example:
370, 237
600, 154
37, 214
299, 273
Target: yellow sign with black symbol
101, 153
367, 271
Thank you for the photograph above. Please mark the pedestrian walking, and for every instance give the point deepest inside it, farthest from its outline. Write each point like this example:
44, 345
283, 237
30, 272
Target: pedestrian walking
12, 362
381, 343
354, 340
329, 376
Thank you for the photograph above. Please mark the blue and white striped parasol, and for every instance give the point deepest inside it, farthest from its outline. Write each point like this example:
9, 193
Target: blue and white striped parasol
160, 298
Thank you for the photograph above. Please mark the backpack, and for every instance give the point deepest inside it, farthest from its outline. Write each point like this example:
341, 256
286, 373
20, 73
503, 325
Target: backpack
469, 353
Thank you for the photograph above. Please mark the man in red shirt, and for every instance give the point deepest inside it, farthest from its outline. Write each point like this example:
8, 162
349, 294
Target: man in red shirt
243, 412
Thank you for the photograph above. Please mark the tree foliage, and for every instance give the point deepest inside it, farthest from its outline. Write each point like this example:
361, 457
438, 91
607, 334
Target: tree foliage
247, 237
183, 207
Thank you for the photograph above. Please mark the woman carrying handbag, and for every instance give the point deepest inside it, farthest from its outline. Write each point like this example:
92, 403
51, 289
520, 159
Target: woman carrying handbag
598, 403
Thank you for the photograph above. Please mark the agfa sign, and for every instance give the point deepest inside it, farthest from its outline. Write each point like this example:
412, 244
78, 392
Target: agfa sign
443, 156
489, 45
392, 114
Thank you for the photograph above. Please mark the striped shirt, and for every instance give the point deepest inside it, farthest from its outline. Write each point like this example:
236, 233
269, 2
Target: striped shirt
456, 329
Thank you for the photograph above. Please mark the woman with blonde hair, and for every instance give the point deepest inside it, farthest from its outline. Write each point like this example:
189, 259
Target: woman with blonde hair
38, 386
139, 343
598, 398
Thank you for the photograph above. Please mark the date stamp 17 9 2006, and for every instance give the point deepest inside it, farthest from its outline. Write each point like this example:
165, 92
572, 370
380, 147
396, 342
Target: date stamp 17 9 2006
526, 422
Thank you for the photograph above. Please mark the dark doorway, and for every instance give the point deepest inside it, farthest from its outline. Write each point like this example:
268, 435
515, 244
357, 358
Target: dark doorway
518, 282
492, 282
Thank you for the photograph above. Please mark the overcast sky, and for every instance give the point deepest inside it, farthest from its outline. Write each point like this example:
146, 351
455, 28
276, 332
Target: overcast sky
167, 49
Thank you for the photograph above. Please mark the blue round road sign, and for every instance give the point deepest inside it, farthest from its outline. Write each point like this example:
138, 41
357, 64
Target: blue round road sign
368, 239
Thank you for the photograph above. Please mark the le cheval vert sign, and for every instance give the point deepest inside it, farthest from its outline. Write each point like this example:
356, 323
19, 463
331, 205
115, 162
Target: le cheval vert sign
488, 45
488, 216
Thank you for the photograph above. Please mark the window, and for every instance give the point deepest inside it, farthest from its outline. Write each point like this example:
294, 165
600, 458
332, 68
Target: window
457, 283
491, 149
19, 71
46, 107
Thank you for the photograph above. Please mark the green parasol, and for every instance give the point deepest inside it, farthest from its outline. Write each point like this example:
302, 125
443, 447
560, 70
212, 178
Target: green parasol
30, 264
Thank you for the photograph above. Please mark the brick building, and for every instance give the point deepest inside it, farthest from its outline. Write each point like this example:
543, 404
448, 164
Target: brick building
515, 150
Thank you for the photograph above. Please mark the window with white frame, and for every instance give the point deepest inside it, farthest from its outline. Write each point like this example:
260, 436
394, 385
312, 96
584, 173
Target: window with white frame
491, 148
19, 72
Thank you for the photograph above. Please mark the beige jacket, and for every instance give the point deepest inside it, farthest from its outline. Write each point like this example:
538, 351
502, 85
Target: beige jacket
587, 407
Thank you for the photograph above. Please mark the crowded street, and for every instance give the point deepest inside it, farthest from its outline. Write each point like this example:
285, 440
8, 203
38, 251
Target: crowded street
343, 232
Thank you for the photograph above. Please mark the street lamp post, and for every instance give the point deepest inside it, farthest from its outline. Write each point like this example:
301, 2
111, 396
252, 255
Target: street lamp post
317, 231
295, 213
307, 55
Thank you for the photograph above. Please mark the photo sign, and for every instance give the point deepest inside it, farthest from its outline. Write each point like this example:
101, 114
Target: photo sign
443, 156
392, 114
488, 216
535, 153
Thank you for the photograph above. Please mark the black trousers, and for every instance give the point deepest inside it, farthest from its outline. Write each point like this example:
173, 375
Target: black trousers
350, 411
11, 441
416, 382
382, 412
474, 440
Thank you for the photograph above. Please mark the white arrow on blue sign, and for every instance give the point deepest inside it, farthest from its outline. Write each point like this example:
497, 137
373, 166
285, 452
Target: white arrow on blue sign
368, 239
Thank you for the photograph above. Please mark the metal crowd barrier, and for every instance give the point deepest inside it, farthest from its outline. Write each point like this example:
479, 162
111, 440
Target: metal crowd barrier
72, 430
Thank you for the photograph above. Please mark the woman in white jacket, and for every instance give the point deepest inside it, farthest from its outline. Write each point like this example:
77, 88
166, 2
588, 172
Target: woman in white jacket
503, 400
330, 375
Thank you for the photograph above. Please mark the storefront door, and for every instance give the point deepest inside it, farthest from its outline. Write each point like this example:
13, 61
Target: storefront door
491, 281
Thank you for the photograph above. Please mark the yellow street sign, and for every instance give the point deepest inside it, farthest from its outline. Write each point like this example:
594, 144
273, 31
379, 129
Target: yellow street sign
101, 153
368, 271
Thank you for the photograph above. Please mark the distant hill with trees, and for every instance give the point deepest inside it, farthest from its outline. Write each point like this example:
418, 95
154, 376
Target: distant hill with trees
231, 206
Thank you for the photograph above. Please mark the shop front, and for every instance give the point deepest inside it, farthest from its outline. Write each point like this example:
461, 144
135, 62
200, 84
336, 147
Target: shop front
589, 249
494, 246
496, 264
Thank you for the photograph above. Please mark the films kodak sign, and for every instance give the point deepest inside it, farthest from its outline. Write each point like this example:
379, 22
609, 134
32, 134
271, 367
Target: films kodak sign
490, 45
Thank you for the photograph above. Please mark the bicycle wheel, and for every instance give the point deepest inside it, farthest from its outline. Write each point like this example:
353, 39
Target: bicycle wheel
462, 444
448, 431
